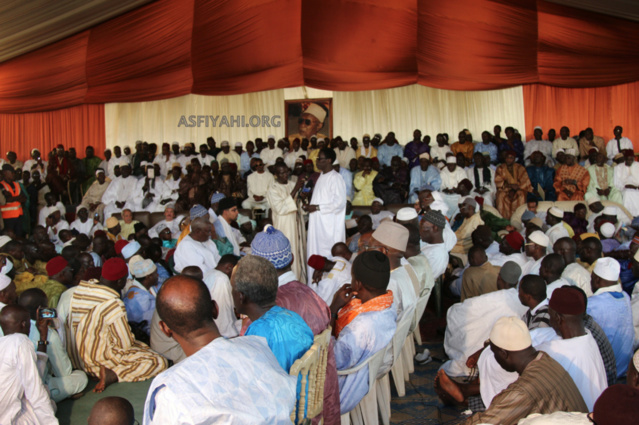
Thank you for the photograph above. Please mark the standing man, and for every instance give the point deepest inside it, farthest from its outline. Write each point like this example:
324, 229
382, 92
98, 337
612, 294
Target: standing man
12, 213
415, 148
91, 164
327, 209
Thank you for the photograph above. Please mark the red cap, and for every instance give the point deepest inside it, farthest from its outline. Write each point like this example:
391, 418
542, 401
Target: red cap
374, 159
119, 245
114, 269
308, 161
515, 240
317, 262
56, 265
568, 300
99, 233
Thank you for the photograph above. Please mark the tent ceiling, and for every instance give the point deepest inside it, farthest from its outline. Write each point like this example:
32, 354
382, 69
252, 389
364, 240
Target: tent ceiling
28, 25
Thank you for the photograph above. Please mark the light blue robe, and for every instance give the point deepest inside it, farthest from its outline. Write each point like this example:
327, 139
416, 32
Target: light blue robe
612, 311
419, 179
364, 336
140, 305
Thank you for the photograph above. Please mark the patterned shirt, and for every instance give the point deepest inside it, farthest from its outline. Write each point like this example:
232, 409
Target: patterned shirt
543, 387
605, 349
538, 317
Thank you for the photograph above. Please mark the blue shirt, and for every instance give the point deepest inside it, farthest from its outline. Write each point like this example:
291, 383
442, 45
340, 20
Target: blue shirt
545, 177
419, 179
491, 148
348, 180
385, 153
612, 311
140, 305
286, 333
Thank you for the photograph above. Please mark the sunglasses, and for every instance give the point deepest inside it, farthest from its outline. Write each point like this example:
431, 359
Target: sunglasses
305, 121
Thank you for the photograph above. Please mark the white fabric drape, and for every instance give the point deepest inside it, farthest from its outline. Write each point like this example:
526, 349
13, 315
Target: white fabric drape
401, 110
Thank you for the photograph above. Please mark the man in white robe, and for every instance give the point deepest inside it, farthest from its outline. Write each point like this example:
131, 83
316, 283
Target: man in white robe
257, 185
432, 248
327, 209
483, 186
287, 217
207, 387
120, 193
271, 153
23, 395
171, 187
218, 282
335, 273
197, 248
148, 191
227, 213
538, 144
618, 144
566, 341
378, 213
92, 199
225, 153
344, 154
535, 248
84, 223
557, 230
469, 323
451, 176
170, 221
626, 179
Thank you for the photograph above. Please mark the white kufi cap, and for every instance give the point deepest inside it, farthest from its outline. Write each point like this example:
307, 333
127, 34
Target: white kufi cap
607, 268
510, 334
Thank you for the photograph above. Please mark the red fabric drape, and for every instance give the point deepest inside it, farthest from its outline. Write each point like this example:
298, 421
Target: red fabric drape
79, 127
600, 108
174, 47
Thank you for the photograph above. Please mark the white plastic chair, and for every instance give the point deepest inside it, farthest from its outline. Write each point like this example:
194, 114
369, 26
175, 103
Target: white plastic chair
408, 353
312, 367
397, 369
365, 413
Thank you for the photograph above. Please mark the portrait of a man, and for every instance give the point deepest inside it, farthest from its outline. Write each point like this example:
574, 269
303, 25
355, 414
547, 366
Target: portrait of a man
306, 118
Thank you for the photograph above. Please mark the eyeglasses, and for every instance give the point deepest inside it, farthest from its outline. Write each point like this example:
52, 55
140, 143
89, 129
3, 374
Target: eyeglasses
305, 121
321, 158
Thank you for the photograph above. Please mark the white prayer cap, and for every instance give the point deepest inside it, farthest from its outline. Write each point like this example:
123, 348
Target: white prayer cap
34, 150
380, 200
143, 268
317, 111
175, 144
607, 268
539, 238
405, 160
130, 249
81, 207
124, 163
562, 150
4, 281
510, 334
336, 162
592, 199
270, 136
53, 209
8, 266
406, 214
607, 230
161, 227
321, 139
451, 160
138, 142
225, 143
570, 152
556, 212
391, 234
99, 171
144, 163
609, 211
135, 259
3, 240
238, 144
424, 155
538, 128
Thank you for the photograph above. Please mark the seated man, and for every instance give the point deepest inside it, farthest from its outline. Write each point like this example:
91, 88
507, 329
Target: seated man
471, 220
557, 230
571, 179
541, 384
100, 340
60, 378
469, 322
431, 231
481, 277
197, 248
257, 184
363, 321
218, 281
254, 283
331, 273
204, 388
378, 213
139, 300
170, 221
23, 395
272, 245
610, 307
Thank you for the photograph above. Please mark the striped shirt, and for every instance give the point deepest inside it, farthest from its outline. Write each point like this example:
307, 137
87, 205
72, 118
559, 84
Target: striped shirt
543, 387
605, 349
538, 317
103, 337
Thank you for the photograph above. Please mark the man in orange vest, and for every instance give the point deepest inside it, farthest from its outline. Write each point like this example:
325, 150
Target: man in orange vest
12, 210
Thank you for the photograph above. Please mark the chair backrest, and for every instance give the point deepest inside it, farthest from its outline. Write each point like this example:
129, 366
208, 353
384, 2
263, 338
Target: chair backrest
401, 332
374, 362
312, 369
420, 307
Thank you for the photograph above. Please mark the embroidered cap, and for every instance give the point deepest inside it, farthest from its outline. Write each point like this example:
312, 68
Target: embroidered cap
272, 245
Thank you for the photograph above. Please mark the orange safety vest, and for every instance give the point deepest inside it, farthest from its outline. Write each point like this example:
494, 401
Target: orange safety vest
11, 209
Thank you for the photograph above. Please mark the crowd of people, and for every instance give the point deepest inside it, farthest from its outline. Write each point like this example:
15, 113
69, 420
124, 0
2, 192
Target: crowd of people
263, 247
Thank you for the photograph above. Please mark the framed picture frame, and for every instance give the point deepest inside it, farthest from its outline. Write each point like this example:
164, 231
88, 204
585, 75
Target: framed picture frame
308, 117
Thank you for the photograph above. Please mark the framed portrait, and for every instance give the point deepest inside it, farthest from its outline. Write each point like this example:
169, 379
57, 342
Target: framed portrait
308, 117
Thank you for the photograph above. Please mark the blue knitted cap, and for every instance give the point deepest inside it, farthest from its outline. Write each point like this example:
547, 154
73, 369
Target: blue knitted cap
274, 246
217, 197
197, 211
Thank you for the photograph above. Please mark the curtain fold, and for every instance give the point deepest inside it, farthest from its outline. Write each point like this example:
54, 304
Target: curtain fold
170, 48
78, 126
601, 108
